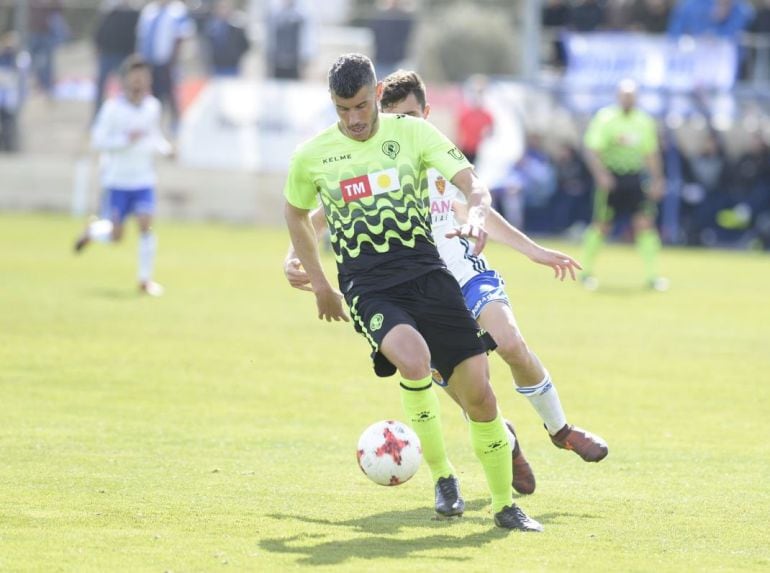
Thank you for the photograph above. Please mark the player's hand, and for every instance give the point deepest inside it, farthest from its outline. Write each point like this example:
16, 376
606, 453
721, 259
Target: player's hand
296, 275
478, 234
560, 263
329, 303
606, 180
135, 135
657, 189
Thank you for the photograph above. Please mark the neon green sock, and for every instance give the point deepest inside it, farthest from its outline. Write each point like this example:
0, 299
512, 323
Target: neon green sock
490, 443
648, 245
423, 411
593, 239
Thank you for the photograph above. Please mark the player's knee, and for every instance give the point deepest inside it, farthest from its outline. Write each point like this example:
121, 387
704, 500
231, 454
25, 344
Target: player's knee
513, 349
414, 367
117, 233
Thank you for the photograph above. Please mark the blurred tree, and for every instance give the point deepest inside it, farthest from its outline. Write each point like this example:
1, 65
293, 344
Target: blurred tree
456, 40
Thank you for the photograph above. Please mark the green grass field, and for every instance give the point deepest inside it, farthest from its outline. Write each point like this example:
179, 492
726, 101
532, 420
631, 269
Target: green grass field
214, 429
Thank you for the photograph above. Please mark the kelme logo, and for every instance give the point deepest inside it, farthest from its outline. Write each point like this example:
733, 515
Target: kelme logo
456, 154
391, 148
376, 322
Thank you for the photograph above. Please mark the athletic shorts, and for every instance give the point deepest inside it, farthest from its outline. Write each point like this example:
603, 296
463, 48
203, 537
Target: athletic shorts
482, 289
432, 304
627, 199
123, 203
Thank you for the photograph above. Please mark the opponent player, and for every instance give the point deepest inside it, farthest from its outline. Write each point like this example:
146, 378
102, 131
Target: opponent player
483, 288
127, 132
366, 171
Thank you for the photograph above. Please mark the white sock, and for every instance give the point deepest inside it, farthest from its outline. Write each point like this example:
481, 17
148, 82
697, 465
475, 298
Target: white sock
545, 399
147, 247
100, 231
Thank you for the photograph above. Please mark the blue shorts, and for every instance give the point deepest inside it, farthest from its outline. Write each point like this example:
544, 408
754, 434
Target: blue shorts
482, 289
123, 203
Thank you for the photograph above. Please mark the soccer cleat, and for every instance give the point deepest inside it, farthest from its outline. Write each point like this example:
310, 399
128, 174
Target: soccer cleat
523, 478
151, 288
449, 501
588, 446
660, 284
512, 517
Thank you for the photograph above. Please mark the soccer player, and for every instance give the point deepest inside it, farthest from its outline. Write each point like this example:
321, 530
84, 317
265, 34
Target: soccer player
483, 288
366, 170
127, 132
622, 151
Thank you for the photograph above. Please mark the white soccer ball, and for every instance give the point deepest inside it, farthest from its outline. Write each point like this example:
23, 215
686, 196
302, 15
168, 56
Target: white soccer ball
389, 452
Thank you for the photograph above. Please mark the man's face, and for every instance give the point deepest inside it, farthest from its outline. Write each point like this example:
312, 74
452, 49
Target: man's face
358, 114
408, 106
137, 83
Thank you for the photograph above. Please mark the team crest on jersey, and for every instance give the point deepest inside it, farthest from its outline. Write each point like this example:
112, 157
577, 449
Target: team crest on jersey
376, 183
376, 322
456, 154
391, 148
440, 185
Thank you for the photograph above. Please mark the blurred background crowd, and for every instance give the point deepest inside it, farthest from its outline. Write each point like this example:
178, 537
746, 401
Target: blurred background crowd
515, 83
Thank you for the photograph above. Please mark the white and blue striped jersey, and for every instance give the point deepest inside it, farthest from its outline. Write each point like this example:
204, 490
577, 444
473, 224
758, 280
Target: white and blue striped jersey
457, 252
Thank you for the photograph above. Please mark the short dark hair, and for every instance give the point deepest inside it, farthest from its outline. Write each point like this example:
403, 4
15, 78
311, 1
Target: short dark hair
350, 73
133, 62
398, 85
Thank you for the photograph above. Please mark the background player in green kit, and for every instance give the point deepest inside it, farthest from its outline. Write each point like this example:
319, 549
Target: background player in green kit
367, 172
622, 150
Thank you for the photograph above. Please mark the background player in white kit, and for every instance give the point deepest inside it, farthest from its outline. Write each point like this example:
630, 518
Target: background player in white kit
127, 131
483, 288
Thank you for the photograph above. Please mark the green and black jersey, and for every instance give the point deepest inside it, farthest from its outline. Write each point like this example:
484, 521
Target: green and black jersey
622, 140
375, 197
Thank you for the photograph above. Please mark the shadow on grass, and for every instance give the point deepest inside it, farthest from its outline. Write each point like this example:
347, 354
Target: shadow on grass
383, 540
114, 293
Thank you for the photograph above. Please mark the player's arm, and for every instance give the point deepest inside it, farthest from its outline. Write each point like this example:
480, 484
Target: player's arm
602, 176
106, 134
595, 140
328, 299
479, 202
292, 268
501, 231
654, 166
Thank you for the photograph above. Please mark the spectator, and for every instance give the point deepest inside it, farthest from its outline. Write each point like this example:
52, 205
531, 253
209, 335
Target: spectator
12, 69
392, 27
750, 189
705, 178
760, 52
290, 38
721, 18
47, 29
226, 39
474, 122
650, 16
115, 40
163, 26
572, 201
555, 19
587, 15
539, 185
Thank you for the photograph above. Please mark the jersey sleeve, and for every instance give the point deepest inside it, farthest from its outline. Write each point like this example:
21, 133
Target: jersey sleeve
300, 190
439, 152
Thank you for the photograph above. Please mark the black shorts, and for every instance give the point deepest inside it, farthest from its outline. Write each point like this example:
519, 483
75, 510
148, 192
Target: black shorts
431, 303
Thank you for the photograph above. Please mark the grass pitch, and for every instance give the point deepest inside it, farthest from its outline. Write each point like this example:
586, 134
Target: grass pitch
214, 429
